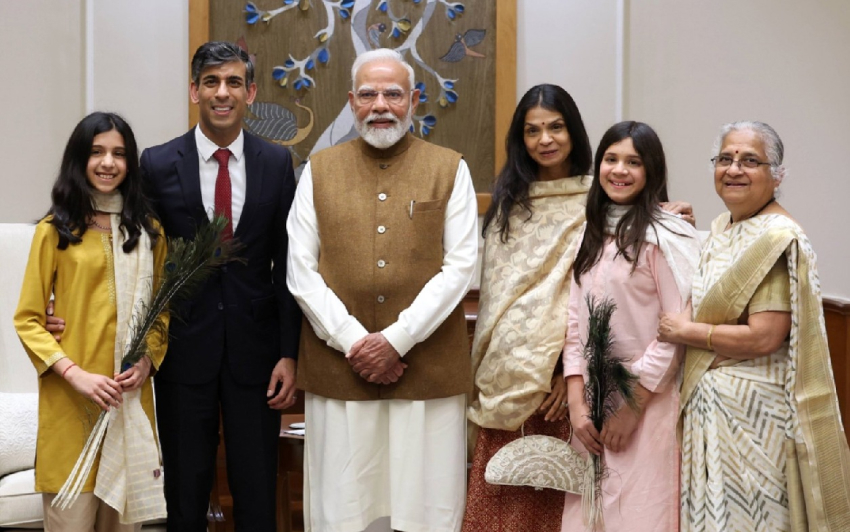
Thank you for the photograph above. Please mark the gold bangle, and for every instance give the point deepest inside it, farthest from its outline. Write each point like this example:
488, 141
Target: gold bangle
708, 337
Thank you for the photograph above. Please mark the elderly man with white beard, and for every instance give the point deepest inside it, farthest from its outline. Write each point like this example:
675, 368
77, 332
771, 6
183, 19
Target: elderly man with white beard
383, 240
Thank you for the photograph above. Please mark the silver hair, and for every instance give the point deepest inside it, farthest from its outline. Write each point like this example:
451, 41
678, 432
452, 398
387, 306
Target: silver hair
773, 147
381, 54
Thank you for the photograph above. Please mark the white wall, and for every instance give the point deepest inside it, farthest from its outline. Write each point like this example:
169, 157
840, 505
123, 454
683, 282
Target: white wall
65, 59
689, 66
43, 98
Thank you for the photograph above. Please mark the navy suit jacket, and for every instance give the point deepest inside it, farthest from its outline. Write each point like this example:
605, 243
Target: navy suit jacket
244, 316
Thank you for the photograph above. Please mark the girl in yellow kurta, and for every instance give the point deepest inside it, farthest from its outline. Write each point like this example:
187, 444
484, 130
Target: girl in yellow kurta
73, 257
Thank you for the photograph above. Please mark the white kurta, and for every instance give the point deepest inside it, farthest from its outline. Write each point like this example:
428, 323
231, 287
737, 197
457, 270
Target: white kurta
398, 458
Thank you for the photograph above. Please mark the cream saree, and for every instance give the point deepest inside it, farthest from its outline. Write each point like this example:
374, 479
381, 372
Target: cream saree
763, 447
522, 317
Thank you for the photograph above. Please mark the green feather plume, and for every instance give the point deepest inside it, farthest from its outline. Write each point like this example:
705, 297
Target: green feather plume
607, 379
188, 264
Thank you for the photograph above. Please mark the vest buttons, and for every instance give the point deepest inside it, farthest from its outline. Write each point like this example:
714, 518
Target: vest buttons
382, 196
381, 299
382, 229
383, 166
381, 263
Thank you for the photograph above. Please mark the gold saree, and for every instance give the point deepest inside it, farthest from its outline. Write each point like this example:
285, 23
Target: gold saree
522, 318
763, 447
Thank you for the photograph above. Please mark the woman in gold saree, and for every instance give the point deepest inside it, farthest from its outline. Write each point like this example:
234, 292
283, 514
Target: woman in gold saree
763, 447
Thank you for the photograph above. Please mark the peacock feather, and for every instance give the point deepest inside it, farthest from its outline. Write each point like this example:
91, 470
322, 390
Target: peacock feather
607, 380
188, 264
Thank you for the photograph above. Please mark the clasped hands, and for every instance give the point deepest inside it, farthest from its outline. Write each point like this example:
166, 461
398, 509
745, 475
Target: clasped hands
375, 359
616, 434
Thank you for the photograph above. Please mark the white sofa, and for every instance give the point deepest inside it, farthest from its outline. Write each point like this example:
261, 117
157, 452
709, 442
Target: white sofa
20, 506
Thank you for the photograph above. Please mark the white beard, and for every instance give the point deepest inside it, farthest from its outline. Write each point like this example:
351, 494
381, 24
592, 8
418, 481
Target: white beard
383, 138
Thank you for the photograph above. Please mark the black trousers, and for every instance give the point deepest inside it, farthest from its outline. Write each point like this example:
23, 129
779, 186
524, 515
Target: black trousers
188, 422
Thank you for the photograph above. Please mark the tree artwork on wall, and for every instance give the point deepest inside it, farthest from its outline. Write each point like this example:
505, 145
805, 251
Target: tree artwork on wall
303, 51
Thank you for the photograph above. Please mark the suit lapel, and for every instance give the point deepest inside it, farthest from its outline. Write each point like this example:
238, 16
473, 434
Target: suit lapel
188, 173
253, 181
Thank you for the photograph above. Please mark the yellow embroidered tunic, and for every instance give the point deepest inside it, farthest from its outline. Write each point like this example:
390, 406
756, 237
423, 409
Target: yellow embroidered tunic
82, 279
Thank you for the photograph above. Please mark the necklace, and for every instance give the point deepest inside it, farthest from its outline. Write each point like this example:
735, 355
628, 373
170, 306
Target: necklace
763, 207
94, 223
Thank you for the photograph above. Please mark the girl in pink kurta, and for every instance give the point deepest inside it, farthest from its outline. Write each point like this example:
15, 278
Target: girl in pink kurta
642, 259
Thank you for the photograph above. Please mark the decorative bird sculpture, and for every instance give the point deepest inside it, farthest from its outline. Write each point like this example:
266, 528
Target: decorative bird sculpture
461, 47
375, 31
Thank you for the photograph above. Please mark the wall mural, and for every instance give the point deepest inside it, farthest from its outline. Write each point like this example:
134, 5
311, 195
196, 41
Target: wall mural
303, 51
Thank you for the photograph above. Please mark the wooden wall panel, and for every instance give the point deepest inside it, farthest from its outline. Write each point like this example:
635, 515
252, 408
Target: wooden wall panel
837, 316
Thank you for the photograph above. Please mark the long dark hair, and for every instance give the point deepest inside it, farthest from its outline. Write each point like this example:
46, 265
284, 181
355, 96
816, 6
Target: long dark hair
72, 207
631, 230
520, 170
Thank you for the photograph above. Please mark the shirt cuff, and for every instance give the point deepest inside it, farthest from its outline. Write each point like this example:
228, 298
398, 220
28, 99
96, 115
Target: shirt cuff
350, 335
574, 368
398, 338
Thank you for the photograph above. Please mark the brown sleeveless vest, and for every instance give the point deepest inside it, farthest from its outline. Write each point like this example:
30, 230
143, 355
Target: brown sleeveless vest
376, 254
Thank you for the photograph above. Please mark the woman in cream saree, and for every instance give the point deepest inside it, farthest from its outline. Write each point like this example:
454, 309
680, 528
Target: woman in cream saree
763, 448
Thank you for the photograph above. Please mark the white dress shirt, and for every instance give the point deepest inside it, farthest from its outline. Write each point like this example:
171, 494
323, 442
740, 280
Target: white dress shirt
438, 298
208, 170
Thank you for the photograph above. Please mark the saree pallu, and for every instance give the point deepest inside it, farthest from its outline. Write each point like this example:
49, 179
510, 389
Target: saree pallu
763, 447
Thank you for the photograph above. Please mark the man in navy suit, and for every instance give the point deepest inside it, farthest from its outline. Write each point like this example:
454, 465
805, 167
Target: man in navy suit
233, 354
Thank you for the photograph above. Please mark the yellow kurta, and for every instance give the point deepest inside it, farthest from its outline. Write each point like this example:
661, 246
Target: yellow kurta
82, 279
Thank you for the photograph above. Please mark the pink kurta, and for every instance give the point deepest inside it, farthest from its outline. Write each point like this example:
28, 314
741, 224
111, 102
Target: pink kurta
641, 492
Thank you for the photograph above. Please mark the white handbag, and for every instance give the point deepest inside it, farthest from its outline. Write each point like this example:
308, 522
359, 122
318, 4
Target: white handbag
539, 462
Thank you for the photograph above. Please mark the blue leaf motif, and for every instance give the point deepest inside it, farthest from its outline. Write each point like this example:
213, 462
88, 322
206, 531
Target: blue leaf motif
459, 8
448, 84
383, 7
450, 13
250, 7
252, 18
430, 120
396, 33
343, 13
310, 64
324, 55
421, 86
289, 63
411, 129
425, 130
297, 84
287, 2
423, 97
278, 73
451, 96
306, 83
347, 4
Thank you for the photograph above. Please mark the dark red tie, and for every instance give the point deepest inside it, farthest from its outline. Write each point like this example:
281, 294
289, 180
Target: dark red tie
222, 191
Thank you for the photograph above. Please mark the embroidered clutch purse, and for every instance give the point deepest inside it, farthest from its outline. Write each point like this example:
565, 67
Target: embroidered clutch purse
539, 462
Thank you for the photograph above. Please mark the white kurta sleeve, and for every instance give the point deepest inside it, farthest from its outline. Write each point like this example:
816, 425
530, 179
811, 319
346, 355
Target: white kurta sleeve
442, 293
324, 310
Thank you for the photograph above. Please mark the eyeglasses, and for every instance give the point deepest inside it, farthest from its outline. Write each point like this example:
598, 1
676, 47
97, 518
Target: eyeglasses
391, 96
724, 161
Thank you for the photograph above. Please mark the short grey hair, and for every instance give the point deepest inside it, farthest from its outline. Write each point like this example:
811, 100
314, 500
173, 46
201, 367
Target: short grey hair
773, 147
381, 54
